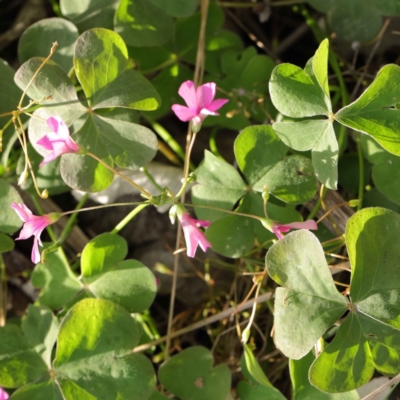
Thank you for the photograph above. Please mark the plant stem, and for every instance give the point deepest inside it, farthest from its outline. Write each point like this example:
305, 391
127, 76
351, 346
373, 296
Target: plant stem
129, 217
361, 171
142, 190
207, 321
151, 178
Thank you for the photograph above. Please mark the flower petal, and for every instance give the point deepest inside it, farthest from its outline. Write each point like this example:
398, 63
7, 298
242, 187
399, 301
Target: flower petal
23, 211
188, 93
309, 224
205, 95
217, 104
183, 113
57, 125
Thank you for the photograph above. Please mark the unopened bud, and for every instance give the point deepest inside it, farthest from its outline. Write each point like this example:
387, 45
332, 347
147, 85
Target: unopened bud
265, 193
354, 202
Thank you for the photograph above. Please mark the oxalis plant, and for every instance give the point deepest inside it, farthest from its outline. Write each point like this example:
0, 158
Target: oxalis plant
84, 338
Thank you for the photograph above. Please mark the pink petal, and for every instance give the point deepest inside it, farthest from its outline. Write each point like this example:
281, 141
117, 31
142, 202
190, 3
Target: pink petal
277, 232
188, 92
57, 125
23, 211
203, 223
35, 255
183, 113
45, 143
47, 159
3, 394
217, 104
309, 224
205, 95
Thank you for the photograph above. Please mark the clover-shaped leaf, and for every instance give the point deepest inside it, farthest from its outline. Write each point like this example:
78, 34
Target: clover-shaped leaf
261, 157
298, 93
373, 111
105, 274
94, 360
369, 337
108, 80
25, 352
177, 8
57, 282
357, 20
307, 285
190, 375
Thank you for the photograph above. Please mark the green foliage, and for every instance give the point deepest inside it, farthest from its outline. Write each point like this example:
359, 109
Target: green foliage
191, 375
101, 57
356, 20
258, 386
302, 388
105, 275
95, 360
261, 158
369, 337
298, 93
37, 40
89, 14
9, 220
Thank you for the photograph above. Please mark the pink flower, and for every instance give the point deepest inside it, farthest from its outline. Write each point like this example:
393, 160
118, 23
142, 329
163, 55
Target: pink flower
193, 235
58, 141
3, 394
278, 229
33, 226
200, 103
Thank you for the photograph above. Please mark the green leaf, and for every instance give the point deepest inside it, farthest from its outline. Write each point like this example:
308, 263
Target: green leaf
384, 175
346, 363
254, 369
177, 8
141, 23
128, 283
251, 391
107, 78
257, 150
158, 396
89, 14
370, 336
325, 156
6, 243
9, 220
126, 144
320, 66
322, 5
295, 93
234, 235
40, 326
356, 20
48, 390
291, 180
57, 282
9, 94
37, 40
303, 390
219, 185
371, 113
19, 362
297, 262
94, 354
258, 386
190, 375
231, 236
